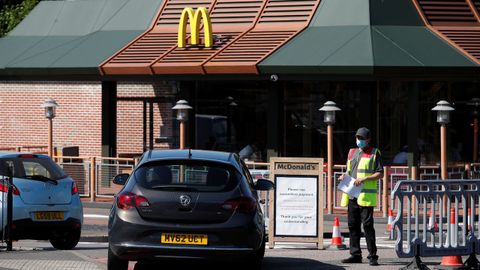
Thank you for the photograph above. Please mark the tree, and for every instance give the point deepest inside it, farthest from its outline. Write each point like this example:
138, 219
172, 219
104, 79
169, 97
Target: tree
12, 12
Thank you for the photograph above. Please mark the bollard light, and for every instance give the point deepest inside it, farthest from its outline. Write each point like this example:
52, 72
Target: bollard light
329, 118
182, 109
329, 108
50, 106
443, 110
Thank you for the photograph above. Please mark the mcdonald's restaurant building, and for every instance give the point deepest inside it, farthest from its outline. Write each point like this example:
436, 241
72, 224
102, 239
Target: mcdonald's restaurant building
253, 71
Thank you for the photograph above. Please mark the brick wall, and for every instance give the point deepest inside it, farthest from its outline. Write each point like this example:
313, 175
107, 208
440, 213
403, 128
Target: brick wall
78, 120
130, 114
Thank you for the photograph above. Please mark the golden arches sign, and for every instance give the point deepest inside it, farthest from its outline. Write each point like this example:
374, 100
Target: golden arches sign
195, 19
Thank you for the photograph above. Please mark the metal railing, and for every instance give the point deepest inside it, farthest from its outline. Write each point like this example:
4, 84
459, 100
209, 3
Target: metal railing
105, 171
436, 218
79, 168
94, 175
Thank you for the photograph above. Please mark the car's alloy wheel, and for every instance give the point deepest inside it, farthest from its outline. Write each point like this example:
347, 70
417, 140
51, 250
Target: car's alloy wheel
115, 263
65, 240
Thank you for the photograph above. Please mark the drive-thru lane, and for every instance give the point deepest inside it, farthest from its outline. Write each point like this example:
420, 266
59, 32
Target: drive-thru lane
39, 255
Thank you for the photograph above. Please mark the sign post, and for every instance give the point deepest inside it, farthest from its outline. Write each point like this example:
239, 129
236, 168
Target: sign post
297, 213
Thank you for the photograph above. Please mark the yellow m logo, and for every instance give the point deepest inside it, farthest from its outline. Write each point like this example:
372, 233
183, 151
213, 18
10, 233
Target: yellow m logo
194, 17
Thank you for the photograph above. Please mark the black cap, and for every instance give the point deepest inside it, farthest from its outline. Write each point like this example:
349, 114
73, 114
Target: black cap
363, 132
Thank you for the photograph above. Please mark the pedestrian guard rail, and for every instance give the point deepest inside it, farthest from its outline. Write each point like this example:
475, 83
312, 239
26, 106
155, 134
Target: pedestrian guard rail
436, 218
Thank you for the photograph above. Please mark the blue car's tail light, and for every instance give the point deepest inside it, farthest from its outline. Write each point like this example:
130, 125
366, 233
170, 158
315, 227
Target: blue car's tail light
4, 188
74, 188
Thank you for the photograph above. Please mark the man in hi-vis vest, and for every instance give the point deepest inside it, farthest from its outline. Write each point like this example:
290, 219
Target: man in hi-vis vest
364, 164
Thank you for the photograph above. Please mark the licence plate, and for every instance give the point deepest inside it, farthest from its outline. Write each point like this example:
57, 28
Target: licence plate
184, 239
48, 215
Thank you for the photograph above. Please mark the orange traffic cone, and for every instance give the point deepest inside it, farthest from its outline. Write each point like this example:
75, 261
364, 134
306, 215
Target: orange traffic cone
337, 242
432, 222
389, 224
452, 262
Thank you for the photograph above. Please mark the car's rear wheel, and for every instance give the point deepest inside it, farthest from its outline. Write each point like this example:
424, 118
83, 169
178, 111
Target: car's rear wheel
65, 240
255, 260
115, 263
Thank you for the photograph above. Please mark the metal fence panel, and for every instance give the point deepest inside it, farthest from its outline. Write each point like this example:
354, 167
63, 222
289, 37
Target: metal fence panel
106, 169
443, 210
79, 170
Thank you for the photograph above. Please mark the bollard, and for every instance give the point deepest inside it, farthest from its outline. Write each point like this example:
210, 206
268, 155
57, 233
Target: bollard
9, 208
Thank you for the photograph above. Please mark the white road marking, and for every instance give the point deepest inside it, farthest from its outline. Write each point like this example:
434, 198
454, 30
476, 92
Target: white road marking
95, 216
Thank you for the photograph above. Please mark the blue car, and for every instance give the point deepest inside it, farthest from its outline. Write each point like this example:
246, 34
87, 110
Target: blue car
46, 203
187, 204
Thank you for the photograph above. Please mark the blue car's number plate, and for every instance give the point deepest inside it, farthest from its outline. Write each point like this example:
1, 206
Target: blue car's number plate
49, 215
184, 239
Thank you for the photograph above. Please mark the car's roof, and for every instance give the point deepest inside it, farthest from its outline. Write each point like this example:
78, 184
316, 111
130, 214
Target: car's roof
192, 154
17, 154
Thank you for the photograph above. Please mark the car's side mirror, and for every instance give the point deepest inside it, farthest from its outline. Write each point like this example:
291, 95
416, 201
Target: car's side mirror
264, 184
121, 179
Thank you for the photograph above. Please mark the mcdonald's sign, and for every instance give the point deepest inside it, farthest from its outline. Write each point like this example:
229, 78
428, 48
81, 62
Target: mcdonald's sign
195, 19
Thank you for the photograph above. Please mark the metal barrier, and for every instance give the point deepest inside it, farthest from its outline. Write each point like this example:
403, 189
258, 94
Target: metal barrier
439, 226
80, 170
105, 170
261, 170
338, 170
429, 172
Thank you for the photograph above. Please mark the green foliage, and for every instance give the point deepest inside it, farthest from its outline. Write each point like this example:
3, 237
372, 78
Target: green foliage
12, 15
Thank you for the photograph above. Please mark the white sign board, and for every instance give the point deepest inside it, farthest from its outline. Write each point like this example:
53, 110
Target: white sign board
296, 205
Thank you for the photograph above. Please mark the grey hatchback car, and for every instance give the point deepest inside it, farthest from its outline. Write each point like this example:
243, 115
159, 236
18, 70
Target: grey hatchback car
187, 204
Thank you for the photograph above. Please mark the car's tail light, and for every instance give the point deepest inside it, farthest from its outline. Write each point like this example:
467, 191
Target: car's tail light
129, 200
4, 188
74, 188
241, 204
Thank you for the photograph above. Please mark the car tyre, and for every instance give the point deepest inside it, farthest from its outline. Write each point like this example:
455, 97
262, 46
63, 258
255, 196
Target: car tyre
255, 260
115, 263
66, 240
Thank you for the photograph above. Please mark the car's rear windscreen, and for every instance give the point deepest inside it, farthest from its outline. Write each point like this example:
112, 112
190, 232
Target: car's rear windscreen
187, 175
31, 167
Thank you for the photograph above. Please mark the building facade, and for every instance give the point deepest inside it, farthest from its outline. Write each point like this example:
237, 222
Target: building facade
271, 66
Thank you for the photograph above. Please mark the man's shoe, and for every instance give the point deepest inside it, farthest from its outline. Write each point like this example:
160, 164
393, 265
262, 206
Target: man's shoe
373, 262
352, 259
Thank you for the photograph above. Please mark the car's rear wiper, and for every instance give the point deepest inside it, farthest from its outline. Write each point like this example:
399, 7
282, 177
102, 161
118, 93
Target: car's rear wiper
174, 188
42, 178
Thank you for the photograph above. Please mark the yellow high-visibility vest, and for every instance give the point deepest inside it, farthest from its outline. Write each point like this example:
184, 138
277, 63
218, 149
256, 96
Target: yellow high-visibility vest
368, 196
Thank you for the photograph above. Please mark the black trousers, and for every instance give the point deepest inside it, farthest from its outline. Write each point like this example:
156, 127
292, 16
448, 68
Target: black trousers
358, 215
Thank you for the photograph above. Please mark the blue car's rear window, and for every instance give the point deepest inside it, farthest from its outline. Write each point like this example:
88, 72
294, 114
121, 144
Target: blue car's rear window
32, 167
191, 175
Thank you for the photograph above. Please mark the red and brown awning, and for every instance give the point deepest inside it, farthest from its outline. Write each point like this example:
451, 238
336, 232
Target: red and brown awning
456, 21
246, 32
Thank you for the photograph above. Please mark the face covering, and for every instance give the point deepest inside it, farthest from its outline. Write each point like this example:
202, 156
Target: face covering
362, 143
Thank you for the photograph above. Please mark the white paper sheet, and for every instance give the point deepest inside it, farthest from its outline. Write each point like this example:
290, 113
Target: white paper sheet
347, 185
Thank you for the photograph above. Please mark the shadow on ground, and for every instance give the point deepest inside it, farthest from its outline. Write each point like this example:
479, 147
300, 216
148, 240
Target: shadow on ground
286, 263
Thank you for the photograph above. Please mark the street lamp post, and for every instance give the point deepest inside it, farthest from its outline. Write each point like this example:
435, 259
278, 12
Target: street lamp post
50, 106
329, 118
443, 110
182, 109
475, 102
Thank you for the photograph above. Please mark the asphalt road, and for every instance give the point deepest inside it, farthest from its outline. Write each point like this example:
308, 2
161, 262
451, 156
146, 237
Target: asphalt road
91, 253
39, 255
